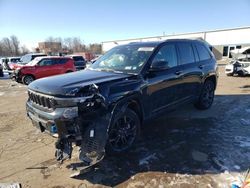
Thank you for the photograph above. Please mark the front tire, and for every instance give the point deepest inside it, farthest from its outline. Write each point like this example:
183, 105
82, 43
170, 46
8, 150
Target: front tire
207, 96
123, 132
27, 79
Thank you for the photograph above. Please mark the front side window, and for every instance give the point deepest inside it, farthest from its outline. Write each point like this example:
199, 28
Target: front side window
78, 58
46, 62
186, 53
126, 59
167, 53
203, 52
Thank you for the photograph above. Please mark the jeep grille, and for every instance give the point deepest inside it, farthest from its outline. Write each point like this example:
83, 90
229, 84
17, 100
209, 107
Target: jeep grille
42, 100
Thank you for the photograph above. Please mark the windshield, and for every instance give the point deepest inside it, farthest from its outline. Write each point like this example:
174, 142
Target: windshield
125, 59
25, 59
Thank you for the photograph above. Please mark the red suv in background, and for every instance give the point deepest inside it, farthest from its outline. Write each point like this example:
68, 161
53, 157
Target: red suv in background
42, 67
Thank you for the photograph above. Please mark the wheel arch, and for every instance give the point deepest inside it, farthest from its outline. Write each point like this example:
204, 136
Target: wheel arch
132, 102
212, 78
29, 74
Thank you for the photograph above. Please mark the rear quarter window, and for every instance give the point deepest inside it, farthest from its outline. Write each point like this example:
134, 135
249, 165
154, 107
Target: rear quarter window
186, 53
202, 52
78, 58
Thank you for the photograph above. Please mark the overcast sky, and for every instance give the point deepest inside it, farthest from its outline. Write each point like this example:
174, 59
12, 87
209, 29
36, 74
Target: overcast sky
101, 20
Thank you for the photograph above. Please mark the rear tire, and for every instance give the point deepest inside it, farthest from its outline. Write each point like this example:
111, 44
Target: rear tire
27, 79
230, 74
124, 132
207, 96
241, 73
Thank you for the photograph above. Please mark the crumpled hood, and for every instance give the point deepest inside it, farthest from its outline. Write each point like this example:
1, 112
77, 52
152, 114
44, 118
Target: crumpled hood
62, 84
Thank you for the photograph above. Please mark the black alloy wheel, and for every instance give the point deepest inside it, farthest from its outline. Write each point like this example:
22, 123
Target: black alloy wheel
123, 132
207, 95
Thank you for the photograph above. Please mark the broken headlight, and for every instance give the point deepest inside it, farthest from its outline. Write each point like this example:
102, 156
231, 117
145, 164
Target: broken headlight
70, 113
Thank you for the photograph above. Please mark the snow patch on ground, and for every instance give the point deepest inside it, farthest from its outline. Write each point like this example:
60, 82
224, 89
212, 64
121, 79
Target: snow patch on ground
243, 141
245, 121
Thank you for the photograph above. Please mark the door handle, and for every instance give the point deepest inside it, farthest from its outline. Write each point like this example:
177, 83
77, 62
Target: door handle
178, 72
201, 66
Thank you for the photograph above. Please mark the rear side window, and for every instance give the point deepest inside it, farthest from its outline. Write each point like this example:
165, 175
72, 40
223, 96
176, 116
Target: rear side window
203, 52
186, 53
167, 53
63, 61
78, 58
60, 61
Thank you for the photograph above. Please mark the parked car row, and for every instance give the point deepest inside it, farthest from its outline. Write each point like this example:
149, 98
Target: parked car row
41, 67
38, 65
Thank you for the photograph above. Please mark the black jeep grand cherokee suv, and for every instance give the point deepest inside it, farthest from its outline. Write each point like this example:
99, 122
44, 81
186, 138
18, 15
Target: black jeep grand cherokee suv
103, 107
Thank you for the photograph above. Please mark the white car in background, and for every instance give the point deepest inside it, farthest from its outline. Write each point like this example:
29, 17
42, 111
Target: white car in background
240, 67
241, 63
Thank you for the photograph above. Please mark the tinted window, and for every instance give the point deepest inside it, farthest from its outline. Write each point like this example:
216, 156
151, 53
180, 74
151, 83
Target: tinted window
203, 52
195, 53
78, 58
63, 61
45, 62
186, 53
167, 53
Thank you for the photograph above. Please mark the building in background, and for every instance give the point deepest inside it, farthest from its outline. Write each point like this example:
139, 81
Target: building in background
50, 48
222, 40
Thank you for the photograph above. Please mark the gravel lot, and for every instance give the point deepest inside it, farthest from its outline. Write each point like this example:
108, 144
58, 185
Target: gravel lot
186, 148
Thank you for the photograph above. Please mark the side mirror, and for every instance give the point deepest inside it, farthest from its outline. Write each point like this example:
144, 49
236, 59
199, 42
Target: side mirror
159, 66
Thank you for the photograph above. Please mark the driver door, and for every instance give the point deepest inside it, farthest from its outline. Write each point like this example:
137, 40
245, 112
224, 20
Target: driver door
163, 85
44, 68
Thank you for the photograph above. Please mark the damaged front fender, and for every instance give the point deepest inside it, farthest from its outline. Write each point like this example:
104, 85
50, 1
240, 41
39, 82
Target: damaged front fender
89, 130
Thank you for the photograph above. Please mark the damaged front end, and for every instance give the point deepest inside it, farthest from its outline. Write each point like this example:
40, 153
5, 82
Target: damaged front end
82, 118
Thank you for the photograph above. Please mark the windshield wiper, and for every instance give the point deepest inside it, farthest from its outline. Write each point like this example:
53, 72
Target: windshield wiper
106, 70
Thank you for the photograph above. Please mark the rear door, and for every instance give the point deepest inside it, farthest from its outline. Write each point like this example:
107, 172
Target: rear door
59, 66
205, 59
188, 70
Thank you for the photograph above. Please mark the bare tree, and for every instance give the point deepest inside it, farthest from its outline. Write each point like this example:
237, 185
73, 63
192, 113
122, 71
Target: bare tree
7, 47
10, 46
95, 48
24, 50
74, 44
54, 39
15, 45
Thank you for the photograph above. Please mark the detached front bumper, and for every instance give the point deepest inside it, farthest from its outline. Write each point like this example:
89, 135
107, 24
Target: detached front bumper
52, 122
15, 75
86, 125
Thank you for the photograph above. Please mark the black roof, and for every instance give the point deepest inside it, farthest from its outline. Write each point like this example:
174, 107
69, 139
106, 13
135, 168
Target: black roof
156, 43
